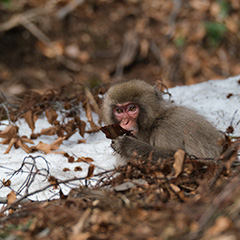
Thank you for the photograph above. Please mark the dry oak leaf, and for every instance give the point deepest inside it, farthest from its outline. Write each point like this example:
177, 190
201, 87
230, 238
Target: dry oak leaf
9, 132
11, 198
6, 183
77, 169
48, 148
51, 115
53, 181
87, 108
30, 118
114, 130
66, 169
90, 171
179, 158
19, 142
49, 131
85, 159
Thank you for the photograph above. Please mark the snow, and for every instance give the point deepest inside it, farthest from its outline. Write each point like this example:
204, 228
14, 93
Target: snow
208, 98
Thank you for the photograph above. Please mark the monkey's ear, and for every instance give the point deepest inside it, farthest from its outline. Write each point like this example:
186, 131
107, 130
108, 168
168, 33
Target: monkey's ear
157, 93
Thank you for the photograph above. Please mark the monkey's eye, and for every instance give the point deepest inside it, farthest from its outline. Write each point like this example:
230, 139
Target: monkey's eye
119, 110
132, 108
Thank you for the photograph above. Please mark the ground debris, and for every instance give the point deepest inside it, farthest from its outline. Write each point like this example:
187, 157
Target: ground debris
142, 200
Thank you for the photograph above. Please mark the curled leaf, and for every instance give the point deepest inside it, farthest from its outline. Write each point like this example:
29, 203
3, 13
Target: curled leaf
85, 159
51, 115
30, 118
9, 132
114, 130
90, 171
179, 158
77, 169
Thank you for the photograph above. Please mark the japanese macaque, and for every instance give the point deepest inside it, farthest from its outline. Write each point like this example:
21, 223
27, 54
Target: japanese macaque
159, 127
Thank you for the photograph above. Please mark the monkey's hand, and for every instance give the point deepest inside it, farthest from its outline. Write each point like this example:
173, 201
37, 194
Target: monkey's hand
129, 147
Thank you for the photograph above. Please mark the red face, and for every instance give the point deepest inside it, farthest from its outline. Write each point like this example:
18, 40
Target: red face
126, 114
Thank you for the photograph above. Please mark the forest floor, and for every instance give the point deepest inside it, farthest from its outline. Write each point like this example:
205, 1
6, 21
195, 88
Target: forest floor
47, 44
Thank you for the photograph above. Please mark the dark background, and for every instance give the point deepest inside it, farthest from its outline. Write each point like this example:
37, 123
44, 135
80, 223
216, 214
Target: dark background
182, 42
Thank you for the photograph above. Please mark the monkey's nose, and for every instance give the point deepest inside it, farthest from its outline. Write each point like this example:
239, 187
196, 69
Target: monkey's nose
124, 121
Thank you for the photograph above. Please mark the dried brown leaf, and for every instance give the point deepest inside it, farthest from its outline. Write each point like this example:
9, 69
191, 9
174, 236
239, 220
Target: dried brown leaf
12, 141
70, 159
26, 139
6, 183
30, 118
66, 169
88, 111
77, 169
53, 181
9, 132
23, 145
90, 171
55, 145
114, 130
179, 157
35, 135
49, 131
81, 127
94, 103
11, 198
85, 159
51, 115
46, 148
52, 50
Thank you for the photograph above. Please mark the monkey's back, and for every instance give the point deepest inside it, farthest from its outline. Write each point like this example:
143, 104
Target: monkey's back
183, 128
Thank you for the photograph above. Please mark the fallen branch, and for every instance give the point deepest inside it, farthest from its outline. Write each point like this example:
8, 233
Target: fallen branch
19, 19
71, 6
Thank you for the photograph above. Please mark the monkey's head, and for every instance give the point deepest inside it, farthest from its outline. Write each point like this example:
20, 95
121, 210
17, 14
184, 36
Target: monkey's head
133, 104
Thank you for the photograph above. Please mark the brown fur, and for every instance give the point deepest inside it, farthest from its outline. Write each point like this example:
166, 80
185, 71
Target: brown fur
163, 127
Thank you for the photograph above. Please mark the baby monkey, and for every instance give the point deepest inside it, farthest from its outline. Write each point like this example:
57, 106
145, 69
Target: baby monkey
160, 128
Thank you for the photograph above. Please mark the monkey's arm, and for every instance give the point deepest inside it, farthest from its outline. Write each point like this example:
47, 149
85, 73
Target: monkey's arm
129, 147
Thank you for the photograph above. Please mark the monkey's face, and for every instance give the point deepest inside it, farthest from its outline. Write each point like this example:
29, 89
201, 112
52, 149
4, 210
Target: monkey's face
127, 114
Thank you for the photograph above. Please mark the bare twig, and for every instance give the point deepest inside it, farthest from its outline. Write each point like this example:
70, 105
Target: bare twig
128, 53
71, 6
19, 19
173, 16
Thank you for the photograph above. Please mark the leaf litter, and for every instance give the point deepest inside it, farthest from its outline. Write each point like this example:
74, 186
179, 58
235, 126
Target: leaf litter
174, 198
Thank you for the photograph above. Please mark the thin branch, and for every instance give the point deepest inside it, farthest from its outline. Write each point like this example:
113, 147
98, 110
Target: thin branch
70, 7
19, 19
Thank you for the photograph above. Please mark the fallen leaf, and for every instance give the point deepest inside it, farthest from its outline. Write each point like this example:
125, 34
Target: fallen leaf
90, 171
51, 50
53, 181
85, 159
55, 145
81, 125
70, 159
6, 183
49, 131
9, 132
88, 111
179, 157
66, 169
114, 130
22, 145
11, 198
78, 168
30, 118
12, 141
51, 115
46, 148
